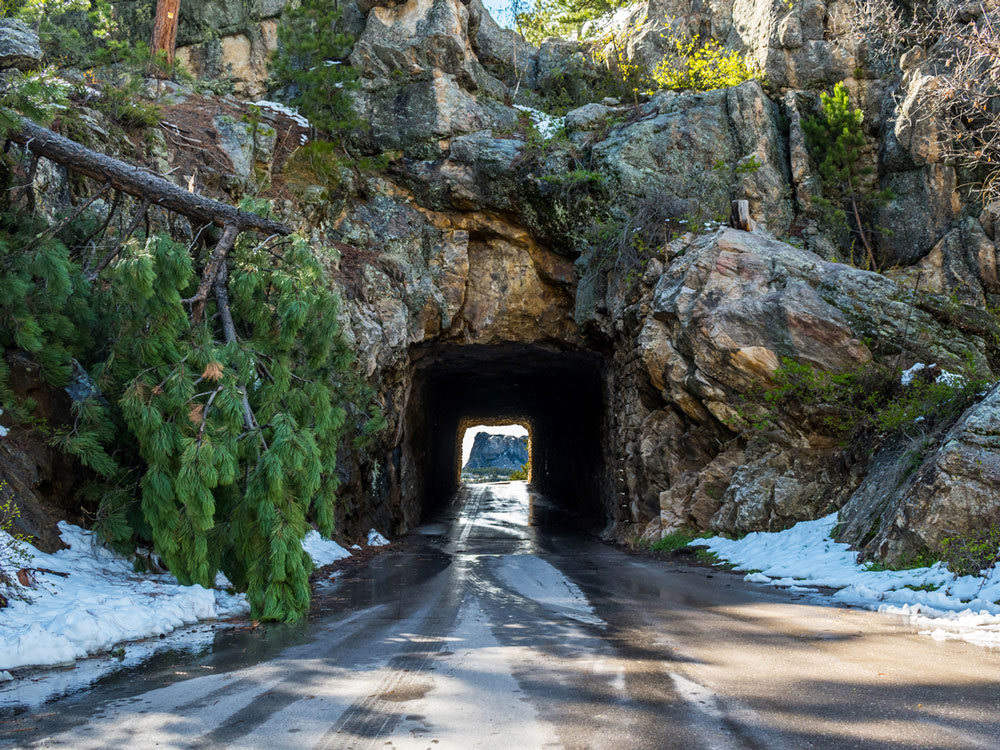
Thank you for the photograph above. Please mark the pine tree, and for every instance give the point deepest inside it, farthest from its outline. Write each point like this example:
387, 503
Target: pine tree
238, 429
310, 67
837, 141
225, 427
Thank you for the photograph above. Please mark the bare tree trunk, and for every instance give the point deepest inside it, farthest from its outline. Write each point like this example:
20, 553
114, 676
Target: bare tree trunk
137, 181
873, 266
164, 40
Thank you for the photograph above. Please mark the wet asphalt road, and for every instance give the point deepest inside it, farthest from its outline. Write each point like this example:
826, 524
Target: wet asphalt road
504, 627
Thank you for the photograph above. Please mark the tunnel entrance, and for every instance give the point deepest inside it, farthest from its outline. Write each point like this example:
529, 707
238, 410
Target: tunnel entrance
559, 393
498, 450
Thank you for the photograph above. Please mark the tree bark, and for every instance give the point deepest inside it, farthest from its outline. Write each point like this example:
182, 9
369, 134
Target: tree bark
211, 272
138, 182
164, 39
739, 215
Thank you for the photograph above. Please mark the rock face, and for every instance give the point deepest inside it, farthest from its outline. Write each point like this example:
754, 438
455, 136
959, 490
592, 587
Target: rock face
19, 46
505, 452
909, 510
482, 236
687, 152
715, 325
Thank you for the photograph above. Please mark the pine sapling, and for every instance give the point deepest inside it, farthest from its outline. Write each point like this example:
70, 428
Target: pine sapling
837, 141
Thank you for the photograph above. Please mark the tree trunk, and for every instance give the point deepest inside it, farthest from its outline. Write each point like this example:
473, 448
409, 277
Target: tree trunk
137, 181
164, 40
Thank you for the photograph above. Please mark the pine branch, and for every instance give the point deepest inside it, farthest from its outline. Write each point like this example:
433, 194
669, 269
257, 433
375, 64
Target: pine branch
121, 243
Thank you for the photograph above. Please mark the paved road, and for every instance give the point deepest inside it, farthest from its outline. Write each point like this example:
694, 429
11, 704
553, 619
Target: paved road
502, 627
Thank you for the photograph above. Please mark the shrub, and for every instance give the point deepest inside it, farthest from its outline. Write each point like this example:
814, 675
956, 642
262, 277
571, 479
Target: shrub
971, 554
13, 555
868, 400
702, 65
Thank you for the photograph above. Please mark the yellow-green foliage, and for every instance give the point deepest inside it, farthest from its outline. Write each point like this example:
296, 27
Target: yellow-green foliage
13, 554
702, 66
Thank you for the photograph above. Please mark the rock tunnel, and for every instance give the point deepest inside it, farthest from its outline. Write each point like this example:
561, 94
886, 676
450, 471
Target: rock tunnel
560, 394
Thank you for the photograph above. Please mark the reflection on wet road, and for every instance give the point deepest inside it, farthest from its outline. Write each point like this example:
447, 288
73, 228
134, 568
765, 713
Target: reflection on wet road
503, 626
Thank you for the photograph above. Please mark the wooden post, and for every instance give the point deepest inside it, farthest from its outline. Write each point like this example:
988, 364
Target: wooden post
164, 38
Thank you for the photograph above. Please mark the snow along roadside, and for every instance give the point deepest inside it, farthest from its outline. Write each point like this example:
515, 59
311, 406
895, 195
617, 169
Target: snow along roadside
804, 557
102, 601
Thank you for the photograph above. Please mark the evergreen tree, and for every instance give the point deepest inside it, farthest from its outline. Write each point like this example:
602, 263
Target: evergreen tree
562, 18
837, 142
310, 66
225, 428
238, 429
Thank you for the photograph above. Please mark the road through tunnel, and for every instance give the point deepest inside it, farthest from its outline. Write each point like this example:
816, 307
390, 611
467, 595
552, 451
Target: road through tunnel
559, 394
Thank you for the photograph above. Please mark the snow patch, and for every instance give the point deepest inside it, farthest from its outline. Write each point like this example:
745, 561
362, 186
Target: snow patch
948, 378
283, 109
548, 125
944, 605
376, 540
323, 551
101, 601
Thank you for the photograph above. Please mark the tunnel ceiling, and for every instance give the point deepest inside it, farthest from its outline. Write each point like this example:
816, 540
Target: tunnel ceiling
560, 391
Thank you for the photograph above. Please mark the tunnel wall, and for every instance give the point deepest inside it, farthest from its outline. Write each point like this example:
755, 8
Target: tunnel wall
561, 392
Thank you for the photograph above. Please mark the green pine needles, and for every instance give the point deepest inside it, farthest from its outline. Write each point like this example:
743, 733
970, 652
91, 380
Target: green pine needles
837, 141
539, 19
216, 436
310, 67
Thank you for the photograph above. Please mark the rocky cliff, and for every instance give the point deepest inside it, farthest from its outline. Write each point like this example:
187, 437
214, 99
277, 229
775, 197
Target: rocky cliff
476, 244
507, 452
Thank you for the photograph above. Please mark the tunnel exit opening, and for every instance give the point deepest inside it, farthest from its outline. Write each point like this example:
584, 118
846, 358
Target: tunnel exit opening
558, 393
494, 449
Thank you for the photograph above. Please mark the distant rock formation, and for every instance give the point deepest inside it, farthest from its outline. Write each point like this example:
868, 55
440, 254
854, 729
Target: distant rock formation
502, 452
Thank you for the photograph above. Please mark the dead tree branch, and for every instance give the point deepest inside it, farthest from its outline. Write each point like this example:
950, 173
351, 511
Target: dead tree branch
121, 243
212, 270
138, 182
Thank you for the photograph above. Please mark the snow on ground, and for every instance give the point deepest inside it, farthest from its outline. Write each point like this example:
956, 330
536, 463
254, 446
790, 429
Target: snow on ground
301, 120
102, 601
376, 540
548, 125
323, 551
804, 557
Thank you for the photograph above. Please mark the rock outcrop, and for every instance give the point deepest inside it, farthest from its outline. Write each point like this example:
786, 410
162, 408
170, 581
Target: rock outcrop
19, 46
909, 506
714, 326
504, 452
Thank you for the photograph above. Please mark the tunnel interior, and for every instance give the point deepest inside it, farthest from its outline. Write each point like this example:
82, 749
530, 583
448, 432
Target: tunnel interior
559, 393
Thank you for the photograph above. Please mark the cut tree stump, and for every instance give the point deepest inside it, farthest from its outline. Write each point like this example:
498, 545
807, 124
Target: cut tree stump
739, 216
